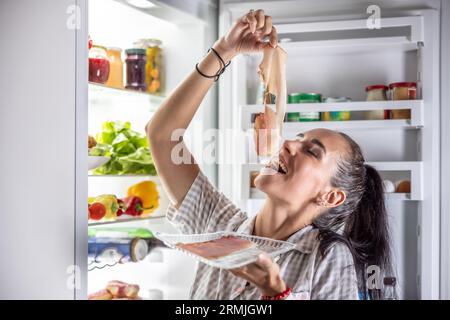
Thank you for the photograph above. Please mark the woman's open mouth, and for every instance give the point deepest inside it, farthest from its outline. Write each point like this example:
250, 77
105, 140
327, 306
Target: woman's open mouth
277, 164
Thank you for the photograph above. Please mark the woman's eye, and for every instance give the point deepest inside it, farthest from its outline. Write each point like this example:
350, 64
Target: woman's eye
312, 153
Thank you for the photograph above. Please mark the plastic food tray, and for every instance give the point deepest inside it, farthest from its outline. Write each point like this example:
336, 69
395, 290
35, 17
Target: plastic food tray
236, 259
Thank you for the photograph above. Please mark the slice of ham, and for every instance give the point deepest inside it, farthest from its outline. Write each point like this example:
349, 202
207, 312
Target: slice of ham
217, 248
272, 71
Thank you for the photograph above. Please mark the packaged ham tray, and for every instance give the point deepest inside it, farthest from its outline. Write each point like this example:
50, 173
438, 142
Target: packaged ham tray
225, 250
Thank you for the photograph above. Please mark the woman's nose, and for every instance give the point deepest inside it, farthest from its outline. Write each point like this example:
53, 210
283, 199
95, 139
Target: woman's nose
291, 146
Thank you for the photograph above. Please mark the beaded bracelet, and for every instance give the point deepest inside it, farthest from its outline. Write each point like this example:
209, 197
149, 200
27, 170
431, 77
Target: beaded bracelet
280, 296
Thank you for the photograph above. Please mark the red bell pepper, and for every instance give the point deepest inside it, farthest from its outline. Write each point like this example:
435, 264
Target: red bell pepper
122, 207
133, 206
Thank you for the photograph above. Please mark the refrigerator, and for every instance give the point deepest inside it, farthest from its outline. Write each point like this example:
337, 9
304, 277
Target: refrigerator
336, 48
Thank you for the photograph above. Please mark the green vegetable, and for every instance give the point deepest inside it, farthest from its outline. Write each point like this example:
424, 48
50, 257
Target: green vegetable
128, 149
100, 150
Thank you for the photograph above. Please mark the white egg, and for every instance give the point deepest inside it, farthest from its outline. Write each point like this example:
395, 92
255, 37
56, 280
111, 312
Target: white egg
388, 186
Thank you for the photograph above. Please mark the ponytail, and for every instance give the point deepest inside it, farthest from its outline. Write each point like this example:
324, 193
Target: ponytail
361, 222
367, 229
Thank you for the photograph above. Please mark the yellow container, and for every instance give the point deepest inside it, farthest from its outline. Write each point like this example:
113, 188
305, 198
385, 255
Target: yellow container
154, 73
115, 79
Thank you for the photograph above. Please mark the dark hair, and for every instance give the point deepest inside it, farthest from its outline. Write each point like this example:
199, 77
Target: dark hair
361, 222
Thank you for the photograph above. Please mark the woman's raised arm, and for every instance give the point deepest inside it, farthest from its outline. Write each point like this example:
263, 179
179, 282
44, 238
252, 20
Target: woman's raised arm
179, 108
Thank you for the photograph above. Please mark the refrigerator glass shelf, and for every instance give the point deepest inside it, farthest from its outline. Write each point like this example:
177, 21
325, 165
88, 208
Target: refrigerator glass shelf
127, 219
98, 91
121, 176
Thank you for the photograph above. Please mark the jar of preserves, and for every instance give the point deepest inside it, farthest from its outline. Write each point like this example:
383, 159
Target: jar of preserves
98, 64
402, 91
115, 79
154, 75
376, 93
135, 64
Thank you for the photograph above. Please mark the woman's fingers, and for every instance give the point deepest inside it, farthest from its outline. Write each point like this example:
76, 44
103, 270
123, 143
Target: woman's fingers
260, 19
250, 273
273, 38
251, 20
265, 263
267, 25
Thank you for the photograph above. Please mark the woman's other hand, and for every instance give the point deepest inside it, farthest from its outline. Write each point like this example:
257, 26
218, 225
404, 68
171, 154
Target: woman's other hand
248, 35
264, 274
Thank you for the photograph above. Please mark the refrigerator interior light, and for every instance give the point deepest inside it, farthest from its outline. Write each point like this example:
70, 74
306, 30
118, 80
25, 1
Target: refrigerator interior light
143, 4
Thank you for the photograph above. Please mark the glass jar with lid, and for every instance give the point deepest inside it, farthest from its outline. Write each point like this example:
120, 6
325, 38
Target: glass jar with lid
376, 92
402, 91
115, 79
98, 64
135, 64
154, 73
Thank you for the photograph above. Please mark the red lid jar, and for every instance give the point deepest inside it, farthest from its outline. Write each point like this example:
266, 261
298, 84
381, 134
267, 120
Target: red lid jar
98, 64
376, 92
403, 90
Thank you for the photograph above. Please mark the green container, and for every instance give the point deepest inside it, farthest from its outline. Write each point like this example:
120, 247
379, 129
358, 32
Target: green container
306, 98
293, 117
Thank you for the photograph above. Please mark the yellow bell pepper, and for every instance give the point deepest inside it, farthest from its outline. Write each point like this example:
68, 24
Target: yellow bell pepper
147, 191
91, 200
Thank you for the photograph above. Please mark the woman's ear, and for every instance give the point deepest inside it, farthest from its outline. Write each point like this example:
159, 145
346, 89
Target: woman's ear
332, 199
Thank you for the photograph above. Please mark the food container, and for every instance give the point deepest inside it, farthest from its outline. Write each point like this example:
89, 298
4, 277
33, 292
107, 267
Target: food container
272, 248
135, 64
292, 117
336, 115
154, 73
402, 91
376, 93
115, 79
306, 98
98, 65
116, 250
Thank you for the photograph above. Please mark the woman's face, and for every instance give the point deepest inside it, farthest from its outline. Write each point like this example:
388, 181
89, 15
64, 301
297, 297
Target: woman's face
306, 166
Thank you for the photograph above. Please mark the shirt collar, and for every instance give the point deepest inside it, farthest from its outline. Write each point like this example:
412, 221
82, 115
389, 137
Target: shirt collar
305, 238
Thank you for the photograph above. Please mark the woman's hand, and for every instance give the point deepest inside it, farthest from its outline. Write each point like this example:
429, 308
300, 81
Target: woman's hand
247, 35
264, 274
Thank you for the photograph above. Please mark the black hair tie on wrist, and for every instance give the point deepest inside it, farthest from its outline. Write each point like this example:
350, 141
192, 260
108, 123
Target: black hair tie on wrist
224, 65
221, 70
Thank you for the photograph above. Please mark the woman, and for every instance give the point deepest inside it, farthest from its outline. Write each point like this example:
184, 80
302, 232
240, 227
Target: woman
322, 197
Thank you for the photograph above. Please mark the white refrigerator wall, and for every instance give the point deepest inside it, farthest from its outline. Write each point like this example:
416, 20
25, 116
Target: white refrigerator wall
37, 135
